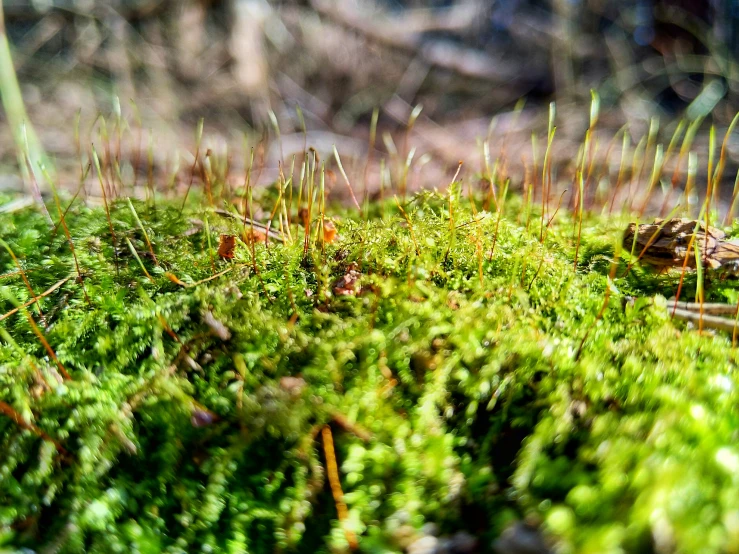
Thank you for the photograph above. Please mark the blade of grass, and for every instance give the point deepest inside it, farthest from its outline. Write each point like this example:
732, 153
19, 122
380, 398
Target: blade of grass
107, 208
26, 142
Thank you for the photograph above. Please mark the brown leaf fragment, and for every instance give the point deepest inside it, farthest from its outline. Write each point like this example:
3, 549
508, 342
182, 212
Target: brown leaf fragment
346, 285
292, 385
357, 430
227, 246
172, 277
217, 327
253, 236
329, 231
201, 417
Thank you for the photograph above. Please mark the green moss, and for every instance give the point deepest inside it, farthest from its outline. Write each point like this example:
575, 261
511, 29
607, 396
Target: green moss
486, 384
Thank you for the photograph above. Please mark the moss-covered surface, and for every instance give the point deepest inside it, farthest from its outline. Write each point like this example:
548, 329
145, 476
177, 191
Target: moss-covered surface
464, 386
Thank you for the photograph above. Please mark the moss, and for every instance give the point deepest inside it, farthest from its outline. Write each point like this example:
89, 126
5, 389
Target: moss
464, 386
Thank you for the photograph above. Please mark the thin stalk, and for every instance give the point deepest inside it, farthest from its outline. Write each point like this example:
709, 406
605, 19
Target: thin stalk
501, 209
370, 151
107, 208
654, 179
410, 225
491, 199
621, 170
581, 185
668, 155
7, 410
138, 259
531, 189
37, 332
685, 148
143, 230
546, 178
210, 244
276, 127
47, 292
332, 470
150, 168
198, 138
709, 184
346, 179
637, 160
451, 212
722, 159
63, 223
690, 183
25, 279
730, 213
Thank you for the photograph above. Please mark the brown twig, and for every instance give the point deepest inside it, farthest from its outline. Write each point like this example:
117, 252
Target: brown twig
18, 419
36, 299
332, 469
25, 279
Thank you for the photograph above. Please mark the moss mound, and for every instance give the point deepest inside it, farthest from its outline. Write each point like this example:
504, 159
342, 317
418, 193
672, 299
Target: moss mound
466, 374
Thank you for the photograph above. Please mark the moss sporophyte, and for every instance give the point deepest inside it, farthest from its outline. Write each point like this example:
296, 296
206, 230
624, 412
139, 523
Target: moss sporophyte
232, 394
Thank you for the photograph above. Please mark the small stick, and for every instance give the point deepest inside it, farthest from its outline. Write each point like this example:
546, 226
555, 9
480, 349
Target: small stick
25, 279
13, 273
35, 191
172, 277
271, 233
36, 299
711, 321
332, 469
15, 416
352, 428
715, 308
39, 334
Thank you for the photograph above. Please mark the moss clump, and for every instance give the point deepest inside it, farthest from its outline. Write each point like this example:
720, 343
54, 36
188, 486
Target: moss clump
463, 385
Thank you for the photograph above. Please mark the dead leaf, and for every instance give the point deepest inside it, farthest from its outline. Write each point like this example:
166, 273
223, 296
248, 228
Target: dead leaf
292, 385
304, 216
202, 417
250, 236
227, 246
218, 328
172, 277
329, 231
346, 285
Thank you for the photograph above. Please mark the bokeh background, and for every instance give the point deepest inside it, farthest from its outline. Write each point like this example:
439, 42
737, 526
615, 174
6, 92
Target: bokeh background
168, 63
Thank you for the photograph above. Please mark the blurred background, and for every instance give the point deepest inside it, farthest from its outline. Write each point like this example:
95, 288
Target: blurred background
243, 65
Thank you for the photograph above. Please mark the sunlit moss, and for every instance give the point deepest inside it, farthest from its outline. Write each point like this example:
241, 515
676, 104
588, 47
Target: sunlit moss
464, 387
